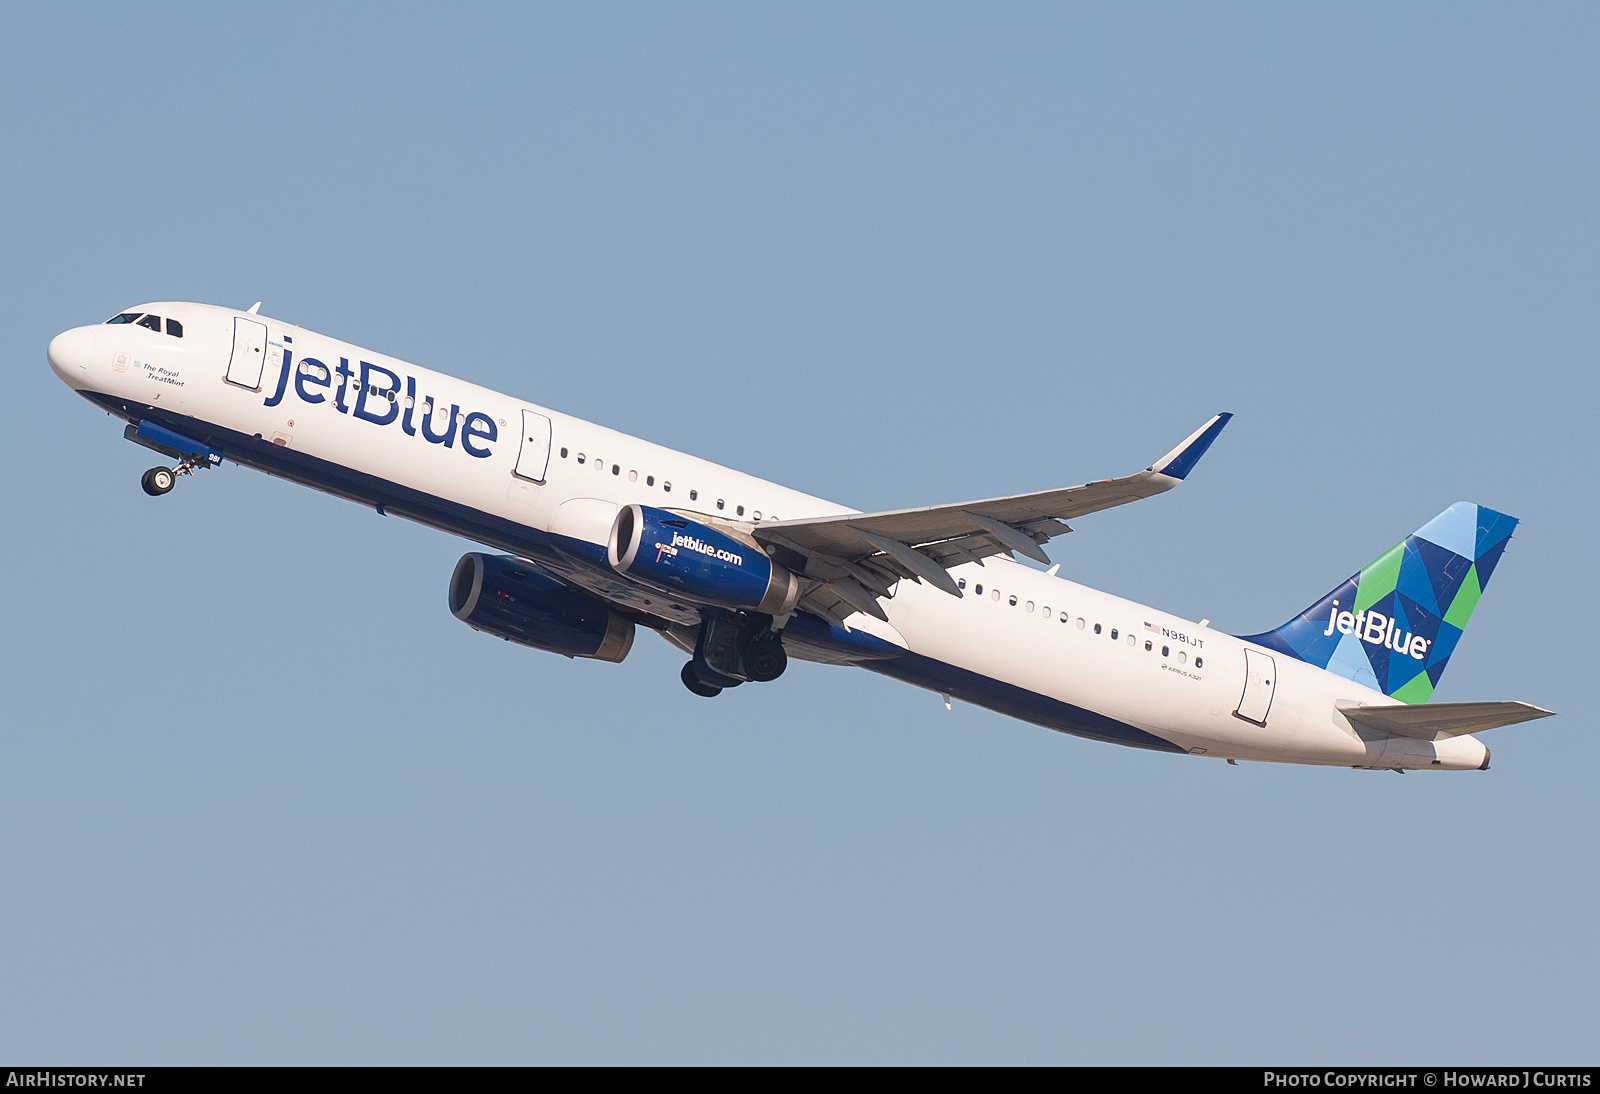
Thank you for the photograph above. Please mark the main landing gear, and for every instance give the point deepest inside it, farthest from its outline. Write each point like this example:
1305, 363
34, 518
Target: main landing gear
731, 649
161, 480
692, 682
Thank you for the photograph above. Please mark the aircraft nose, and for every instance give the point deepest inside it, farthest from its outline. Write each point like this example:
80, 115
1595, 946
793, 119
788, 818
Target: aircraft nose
69, 354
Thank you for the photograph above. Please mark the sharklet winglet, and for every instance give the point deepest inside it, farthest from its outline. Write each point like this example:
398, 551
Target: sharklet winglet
1181, 460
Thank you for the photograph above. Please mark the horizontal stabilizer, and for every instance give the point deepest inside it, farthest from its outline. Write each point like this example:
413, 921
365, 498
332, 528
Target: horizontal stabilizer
1441, 720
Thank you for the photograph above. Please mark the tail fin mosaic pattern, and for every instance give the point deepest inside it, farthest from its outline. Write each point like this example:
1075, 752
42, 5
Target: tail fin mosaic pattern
1394, 625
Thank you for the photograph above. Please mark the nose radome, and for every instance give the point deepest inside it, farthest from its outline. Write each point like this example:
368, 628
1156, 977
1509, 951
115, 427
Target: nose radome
70, 352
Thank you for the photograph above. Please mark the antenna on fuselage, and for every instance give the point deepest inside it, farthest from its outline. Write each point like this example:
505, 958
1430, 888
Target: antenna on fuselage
254, 308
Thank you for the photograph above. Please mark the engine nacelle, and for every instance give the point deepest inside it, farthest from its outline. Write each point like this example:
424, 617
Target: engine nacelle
698, 562
508, 598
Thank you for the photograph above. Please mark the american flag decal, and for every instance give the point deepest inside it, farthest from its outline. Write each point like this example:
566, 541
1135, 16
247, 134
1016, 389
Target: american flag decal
1152, 628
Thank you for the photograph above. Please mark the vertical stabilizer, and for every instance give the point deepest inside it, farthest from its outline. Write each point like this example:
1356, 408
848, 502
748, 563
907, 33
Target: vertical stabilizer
1394, 625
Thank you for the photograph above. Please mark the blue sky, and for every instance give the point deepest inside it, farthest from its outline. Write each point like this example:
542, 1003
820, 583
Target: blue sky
266, 801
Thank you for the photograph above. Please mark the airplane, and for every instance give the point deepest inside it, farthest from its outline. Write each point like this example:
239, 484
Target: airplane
594, 533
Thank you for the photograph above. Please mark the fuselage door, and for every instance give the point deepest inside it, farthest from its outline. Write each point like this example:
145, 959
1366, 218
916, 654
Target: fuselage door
533, 459
249, 353
1260, 674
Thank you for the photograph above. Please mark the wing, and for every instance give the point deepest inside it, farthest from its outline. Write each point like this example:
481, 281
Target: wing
854, 559
1441, 720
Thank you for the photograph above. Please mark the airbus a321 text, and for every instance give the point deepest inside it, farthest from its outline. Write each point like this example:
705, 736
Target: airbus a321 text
597, 533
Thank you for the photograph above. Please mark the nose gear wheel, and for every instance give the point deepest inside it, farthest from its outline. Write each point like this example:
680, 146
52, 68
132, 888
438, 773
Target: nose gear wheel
158, 480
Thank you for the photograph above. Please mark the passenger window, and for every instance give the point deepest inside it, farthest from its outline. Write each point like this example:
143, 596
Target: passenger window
720, 504
580, 457
1113, 634
1030, 605
616, 469
633, 476
125, 317
1080, 621
667, 486
694, 495
1046, 611
739, 510
1132, 641
1199, 661
1097, 628
756, 514
1182, 657
961, 583
978, 589
563, 453
649, 480
994, 594
174, 328
1165, 650
153, 322
1013, 602
1147, 646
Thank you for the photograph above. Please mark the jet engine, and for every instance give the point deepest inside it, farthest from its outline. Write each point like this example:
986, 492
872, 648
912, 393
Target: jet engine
508, 598
698, 562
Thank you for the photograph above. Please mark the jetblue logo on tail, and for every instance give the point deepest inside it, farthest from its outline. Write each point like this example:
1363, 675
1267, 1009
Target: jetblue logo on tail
1377, 629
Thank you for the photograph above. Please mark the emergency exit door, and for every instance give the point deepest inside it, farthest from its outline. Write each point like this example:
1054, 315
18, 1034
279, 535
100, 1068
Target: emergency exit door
249, 353
1260, 681
533, 458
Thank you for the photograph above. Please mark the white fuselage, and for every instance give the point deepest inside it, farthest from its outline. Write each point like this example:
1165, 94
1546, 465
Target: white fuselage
1174, 679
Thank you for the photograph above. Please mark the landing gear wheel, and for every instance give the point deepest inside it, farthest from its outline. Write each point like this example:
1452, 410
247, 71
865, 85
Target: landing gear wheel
692, 682
765, 660
157, 481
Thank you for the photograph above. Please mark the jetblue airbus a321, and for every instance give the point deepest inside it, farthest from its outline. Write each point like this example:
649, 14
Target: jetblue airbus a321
600, 533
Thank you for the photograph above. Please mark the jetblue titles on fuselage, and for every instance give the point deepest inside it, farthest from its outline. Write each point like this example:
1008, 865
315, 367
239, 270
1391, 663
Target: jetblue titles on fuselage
377, 387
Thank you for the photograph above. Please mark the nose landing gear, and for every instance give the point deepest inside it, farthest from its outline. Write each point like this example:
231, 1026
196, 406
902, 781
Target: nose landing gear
157, 481
190, 454
161, 480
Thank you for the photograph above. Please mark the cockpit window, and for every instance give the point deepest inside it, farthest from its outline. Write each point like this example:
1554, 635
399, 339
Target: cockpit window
153, 322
